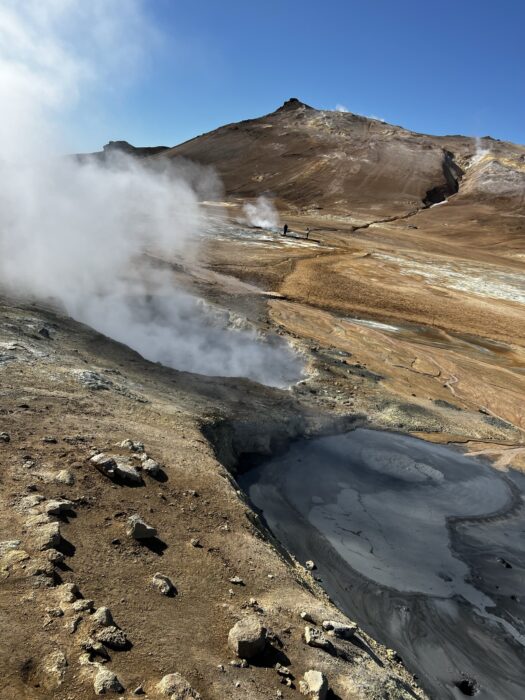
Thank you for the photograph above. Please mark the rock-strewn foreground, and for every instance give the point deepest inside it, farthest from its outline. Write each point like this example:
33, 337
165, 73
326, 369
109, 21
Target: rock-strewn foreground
86, 588
127, 554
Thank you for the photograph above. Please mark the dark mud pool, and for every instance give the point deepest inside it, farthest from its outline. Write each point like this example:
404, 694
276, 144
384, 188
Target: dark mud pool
422, 546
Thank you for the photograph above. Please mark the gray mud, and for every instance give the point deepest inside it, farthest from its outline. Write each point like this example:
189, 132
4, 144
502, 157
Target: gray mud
419, 544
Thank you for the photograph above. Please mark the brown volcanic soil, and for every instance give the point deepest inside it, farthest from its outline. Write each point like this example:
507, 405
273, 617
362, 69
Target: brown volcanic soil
447, 363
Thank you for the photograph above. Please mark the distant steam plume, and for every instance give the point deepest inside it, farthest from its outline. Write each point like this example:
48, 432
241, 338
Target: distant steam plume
76, 230
262, 213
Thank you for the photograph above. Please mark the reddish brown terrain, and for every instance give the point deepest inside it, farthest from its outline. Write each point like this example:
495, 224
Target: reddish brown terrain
408, 316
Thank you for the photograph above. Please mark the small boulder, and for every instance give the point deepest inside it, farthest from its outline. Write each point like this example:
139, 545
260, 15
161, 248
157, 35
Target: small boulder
127, 472
163, 584
132, 445
314, 685
103, 617
47, 536
339, 629
138, 529
68, 592
5, 437
176, 687
58, 506
247, 638
105, 464
107, 682
310, 565
64, 476
112, 637
315, 638
151, 467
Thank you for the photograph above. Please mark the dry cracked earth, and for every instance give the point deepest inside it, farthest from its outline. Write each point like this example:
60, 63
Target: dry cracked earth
406, 307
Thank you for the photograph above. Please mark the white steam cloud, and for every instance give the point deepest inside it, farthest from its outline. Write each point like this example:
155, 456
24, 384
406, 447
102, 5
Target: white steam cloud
262, 214
77, 230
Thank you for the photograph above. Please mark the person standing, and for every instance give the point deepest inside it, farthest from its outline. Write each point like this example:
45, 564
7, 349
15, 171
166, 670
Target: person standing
285, 229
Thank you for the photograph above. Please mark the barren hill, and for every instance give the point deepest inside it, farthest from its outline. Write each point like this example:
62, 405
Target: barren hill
346, 164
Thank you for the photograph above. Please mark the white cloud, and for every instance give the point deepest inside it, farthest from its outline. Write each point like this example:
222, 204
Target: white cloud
341, 108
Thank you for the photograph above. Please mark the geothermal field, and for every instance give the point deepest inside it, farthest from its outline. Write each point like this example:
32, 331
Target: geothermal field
238, 463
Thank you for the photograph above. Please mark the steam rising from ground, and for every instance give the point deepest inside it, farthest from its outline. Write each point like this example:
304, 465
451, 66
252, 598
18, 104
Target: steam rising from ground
262, 213
76, 230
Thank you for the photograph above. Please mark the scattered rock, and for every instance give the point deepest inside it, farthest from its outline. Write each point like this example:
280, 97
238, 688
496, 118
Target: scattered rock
315, 638
93, 380
163, 584
58, 507
339, 629
64, 476
5, 437
107, 682
139, 690
68, 592
83, 605
112, 637
49, 440
195, 542
151, 467
310, 565
8, 545
283, 670
132, 445
308, 618
237, 580
103, 617
247, 638
314, 685
55, 665
138, 529
47, 536
105, 464
27, 503
54, 556
127, 472
176, 687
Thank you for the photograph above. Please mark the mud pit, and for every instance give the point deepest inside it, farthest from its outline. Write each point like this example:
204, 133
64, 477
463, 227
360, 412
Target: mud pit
419, 544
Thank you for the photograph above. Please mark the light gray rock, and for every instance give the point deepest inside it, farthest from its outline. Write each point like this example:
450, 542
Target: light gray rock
112, 637
307, 617
58, 506
310, 565
68, 592
107, 682
176, 687
46, 536
314, 685
163, 584
105, 464
103, 617
132, 445
138, 529
27, 503
54, 556
339, 629
82, 605
64, 476
315, 638
127, 472
151, 467
55, 665
247, 638
8, 545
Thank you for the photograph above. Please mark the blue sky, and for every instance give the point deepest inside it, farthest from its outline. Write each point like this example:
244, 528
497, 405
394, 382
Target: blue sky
450, 67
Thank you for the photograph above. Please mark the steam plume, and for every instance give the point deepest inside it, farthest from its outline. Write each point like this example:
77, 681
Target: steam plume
76, 230
262, 213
